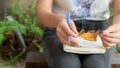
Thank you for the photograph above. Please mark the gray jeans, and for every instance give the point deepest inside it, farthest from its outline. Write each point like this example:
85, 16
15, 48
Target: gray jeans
57, 58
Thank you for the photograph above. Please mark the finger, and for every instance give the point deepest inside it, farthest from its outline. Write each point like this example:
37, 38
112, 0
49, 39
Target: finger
73, 27
112, 35
110, 29
107, 43
67, 29
62, 36
74, 41
111, 40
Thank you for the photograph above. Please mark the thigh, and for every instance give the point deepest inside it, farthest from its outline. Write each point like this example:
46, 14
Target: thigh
97, 60
55, 55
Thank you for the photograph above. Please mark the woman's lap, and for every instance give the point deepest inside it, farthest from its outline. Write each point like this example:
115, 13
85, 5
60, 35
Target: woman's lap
55, 55
57, 58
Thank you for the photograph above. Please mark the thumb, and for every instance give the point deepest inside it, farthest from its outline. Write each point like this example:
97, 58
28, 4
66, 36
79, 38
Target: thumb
110, 29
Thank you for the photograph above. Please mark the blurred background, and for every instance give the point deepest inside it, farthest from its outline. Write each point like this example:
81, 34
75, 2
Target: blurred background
20, 33
7, 5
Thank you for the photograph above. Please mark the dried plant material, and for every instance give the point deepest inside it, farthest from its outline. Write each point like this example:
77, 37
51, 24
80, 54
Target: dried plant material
90, 35
82, 32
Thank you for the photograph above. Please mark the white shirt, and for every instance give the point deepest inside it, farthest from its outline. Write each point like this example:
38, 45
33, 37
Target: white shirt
83, 9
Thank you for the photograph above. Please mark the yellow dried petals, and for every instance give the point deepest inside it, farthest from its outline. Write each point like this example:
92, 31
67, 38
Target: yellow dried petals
88, 35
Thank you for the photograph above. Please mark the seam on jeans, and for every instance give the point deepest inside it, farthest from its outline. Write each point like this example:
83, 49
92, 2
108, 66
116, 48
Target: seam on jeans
49, 60
52, 63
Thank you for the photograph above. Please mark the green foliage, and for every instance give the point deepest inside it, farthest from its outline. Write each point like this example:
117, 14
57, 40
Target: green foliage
9, 26
111, 11
26, 22
117, 48
17, 10
13, 60
2, 37
27, 19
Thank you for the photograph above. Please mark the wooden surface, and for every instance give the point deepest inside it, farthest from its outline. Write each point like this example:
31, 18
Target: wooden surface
35, 60
115, 65
116, 61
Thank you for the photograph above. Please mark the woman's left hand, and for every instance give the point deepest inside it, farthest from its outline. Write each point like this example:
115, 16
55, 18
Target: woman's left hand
111, 36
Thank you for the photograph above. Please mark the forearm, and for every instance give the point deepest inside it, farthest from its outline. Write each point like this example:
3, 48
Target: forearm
45, 15
47, 18
116, 16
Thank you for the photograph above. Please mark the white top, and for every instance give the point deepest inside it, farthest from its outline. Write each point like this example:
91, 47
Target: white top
83, 9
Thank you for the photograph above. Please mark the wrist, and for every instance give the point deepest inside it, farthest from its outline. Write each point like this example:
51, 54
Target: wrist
116, 19
58, 19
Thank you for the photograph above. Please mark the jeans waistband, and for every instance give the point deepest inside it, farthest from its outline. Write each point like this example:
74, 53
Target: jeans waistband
91, 24
91, 21
103, 24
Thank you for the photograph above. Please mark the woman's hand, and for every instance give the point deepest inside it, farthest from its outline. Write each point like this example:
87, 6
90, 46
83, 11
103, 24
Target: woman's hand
111, 36
63, 30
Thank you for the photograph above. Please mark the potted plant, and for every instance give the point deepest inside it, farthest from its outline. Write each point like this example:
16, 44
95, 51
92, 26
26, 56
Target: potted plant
22, 30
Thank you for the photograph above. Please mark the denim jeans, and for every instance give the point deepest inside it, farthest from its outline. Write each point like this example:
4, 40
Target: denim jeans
57, 58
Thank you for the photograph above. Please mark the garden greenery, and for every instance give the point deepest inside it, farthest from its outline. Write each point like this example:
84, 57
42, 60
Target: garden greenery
27, 24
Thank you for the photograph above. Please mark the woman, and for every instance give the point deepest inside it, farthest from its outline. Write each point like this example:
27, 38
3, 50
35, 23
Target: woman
52, 15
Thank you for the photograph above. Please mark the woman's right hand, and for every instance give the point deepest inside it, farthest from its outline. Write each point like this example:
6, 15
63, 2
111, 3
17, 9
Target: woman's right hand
63, 30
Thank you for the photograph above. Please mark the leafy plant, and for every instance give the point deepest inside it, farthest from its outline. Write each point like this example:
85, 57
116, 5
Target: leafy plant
27, 19
28, 25
30, 22
9, 26
117, 48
